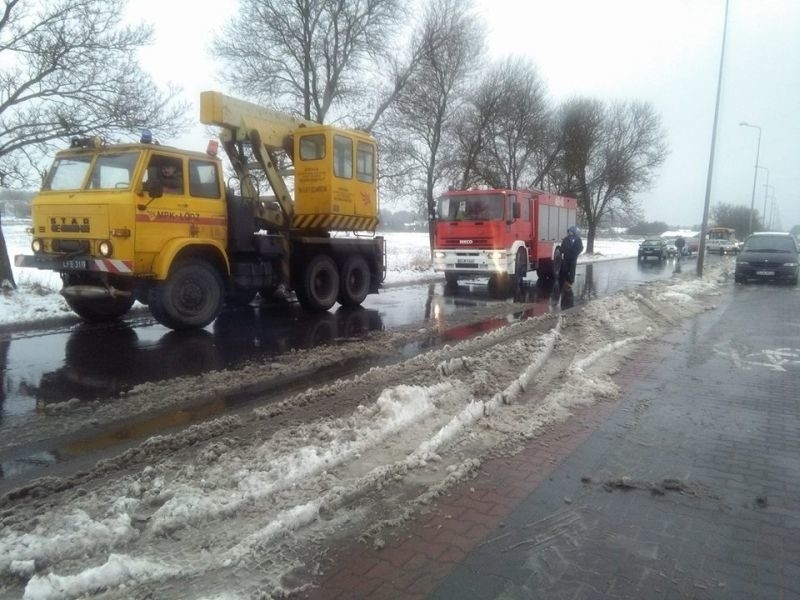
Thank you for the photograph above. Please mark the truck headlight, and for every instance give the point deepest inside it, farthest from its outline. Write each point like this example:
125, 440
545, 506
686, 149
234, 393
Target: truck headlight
438, 255
496, 255
37, 246
790, 264
105, 248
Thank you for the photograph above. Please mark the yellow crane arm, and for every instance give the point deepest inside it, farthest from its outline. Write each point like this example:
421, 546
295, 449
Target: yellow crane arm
239, 118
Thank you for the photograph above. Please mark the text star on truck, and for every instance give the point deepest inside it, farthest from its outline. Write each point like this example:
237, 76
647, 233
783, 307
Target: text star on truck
502, 234
161, 225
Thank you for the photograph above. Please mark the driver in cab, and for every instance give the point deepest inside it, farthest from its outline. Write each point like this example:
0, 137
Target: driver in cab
171, 179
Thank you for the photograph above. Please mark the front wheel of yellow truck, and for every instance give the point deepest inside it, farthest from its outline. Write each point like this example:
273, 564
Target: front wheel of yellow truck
190, 298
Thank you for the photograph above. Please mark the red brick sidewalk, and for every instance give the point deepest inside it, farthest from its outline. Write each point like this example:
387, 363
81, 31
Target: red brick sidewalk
422, 553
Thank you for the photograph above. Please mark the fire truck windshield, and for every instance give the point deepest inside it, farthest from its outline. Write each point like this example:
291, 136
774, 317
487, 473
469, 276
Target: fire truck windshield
106, 171
475, 207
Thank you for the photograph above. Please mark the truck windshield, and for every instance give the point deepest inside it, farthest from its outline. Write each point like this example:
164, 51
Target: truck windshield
477, 207
111, 171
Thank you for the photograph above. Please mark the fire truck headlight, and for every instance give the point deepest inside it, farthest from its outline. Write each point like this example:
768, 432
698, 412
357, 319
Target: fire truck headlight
37, 246
438, 255
105, 248
496, 255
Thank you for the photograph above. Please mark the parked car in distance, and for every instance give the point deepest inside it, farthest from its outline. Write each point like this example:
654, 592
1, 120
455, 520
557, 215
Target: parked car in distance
770, 256
655, 247
722, 246
692, 245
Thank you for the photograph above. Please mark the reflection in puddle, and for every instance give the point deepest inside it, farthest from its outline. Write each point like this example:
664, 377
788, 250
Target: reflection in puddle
102, 362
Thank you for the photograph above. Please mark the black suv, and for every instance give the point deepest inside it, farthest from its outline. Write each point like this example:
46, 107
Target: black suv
655, 247
768, 255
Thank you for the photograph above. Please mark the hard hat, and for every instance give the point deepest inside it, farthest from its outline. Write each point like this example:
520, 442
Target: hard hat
572, 229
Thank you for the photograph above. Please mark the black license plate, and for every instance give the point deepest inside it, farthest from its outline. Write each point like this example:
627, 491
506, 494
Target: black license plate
75, 264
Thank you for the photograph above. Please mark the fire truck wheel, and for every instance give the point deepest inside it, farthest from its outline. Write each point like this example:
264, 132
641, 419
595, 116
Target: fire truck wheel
319, 284
353, 281
520, 266
100, 309
190, 298
549, 268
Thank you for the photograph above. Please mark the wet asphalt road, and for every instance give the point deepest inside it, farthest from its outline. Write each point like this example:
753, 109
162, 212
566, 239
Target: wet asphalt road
88, 362
91, 362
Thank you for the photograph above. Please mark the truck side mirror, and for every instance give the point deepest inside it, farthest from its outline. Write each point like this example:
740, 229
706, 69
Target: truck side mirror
153, 186
155, 189
515, 212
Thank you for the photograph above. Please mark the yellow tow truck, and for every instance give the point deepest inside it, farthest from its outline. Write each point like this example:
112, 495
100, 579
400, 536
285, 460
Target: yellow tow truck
161, 225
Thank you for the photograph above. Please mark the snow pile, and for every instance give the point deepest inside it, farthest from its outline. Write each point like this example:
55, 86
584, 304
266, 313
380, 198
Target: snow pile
235, 512
260, 503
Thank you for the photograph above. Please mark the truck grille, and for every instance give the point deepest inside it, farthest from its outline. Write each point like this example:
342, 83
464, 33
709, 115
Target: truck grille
453, 243
71, 246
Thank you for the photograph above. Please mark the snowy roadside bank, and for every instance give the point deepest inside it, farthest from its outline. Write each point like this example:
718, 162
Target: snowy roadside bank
248, 506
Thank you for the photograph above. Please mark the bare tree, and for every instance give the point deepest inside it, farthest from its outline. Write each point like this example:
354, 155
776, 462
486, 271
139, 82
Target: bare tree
68, 68
736, 217
308, 53
423, 118
512, 108
609, 154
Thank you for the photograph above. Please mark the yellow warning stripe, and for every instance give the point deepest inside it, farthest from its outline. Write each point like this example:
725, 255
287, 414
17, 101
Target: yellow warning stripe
335, 222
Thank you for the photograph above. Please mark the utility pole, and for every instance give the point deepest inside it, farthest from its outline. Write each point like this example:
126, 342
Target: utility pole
701, 251
755, 173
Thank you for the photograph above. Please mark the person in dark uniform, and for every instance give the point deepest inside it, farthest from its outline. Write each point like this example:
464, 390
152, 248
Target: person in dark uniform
571, 247
680, 244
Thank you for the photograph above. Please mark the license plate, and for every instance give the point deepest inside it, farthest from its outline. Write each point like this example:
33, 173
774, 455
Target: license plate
74, 264
766, 273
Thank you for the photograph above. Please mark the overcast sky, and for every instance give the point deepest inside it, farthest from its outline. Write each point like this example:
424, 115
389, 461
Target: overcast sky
664, 51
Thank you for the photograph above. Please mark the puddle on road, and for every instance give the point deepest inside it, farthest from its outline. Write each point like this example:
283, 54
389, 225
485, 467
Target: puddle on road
102, 362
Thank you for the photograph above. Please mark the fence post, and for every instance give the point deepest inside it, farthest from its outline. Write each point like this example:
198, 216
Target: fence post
6, 274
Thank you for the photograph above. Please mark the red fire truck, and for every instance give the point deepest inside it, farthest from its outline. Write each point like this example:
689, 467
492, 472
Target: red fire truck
502, 234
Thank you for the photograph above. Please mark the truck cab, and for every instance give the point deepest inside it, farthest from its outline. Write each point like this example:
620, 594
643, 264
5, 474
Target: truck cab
103, 214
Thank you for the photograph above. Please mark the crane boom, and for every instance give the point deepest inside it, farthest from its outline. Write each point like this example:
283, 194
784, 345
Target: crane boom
239, 117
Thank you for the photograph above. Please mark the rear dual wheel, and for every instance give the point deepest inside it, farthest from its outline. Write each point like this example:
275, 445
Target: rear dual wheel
318, 288
322, 283
354, 281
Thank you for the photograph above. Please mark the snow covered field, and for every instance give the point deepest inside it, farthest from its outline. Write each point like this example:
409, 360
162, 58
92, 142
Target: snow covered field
37, 295
246, 505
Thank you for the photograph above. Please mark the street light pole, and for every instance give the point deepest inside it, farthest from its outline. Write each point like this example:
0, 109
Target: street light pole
702, 248
755, 174
766, 185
